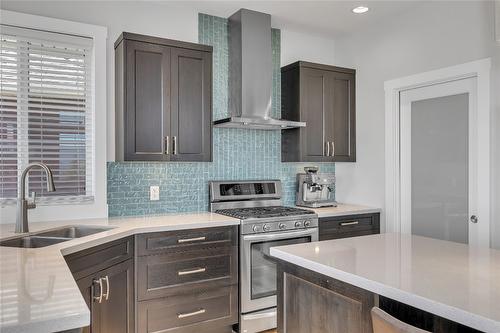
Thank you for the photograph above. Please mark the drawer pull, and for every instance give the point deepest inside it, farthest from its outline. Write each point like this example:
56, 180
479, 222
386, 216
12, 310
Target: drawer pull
106, 295
189, 240
349, 223
192, 271
190, 314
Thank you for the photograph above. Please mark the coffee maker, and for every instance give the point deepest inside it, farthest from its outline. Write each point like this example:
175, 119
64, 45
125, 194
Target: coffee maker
315, 189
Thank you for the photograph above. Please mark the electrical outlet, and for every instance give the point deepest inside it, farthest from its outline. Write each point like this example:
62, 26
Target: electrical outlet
154, 193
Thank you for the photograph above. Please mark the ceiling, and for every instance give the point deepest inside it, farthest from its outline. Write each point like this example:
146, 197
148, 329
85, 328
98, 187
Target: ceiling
326, 18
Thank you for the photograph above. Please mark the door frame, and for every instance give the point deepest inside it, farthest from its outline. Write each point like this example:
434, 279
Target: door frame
480, 70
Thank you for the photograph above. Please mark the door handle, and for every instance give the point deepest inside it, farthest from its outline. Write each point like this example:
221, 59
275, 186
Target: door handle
166, 143
333, 148
474, 219
327, 149
174, 145
106, 295
98, 298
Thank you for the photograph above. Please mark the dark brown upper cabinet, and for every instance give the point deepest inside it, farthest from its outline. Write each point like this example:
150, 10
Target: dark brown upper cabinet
323, 97
163, 99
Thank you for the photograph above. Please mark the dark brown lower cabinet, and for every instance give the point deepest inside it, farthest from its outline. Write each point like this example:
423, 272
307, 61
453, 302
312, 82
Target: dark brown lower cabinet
349, 226
310, 302
315, 303
109, 295
187, 281
105, 276
213, 310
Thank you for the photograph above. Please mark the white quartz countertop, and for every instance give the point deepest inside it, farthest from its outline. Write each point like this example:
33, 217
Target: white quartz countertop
452, 280
37, 290
344, 209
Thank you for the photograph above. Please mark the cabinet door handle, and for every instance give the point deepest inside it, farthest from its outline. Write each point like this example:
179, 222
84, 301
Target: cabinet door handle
190, 314
174, 145
333, 149
349, 223
106, 295
167, 144
189, 240
192, 271
98, 298
327, 149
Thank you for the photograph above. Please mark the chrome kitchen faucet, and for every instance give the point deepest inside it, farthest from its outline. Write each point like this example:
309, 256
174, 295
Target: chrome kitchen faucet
22, 204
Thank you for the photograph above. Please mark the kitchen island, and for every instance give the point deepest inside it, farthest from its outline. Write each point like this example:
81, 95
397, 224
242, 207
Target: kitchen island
453, 287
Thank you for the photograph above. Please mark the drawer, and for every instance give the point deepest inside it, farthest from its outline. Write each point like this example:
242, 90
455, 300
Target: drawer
160, 276
89, 261
214, 310
184, 240
349, 226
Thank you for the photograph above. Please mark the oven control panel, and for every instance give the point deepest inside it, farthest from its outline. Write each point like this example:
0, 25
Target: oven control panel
278, 226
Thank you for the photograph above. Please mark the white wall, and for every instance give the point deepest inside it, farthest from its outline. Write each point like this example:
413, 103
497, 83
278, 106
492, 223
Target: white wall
429, 37
299, 46
163, 19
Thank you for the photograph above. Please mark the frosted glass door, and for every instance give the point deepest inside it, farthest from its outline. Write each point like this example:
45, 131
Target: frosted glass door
439, 163
439, 168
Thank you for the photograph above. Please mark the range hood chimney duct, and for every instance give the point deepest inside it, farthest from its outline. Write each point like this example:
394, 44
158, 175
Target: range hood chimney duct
250, 74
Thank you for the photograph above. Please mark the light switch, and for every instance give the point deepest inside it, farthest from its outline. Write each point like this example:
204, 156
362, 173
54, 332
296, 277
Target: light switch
154, 193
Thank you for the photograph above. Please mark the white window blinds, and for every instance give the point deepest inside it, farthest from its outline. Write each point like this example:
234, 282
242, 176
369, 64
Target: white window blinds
46, 113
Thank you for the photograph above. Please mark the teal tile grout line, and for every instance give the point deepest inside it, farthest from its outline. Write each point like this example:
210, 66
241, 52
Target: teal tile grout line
237, 154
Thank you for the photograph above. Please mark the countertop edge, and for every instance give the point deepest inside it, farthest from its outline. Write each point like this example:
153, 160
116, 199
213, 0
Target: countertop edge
443, 310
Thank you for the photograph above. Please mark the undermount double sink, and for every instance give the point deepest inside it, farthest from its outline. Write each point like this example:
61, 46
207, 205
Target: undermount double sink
53, 236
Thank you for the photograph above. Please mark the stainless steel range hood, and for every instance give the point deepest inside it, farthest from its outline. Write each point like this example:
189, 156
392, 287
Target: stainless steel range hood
250, 74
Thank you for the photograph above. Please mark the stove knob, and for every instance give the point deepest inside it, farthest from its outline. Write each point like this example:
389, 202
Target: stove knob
256, 228
282, 226
298, 224
307, 223
266, 227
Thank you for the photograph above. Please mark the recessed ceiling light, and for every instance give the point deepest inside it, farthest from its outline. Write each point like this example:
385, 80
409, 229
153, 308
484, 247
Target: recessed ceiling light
360, 10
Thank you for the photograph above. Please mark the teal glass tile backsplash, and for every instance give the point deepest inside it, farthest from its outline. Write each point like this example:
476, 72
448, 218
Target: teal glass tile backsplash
237, 153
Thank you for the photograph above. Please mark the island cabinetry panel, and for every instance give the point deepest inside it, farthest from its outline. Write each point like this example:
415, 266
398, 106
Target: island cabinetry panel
323, 97
187, 280
308, 302
163, 98
349, 226
108, 288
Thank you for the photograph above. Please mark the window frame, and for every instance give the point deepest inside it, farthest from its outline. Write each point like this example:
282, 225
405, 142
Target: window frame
98, 207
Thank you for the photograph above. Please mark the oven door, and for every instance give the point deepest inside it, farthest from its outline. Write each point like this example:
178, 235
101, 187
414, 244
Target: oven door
258, 269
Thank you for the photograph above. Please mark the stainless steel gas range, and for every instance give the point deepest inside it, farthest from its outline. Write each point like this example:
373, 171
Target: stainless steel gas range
265, 223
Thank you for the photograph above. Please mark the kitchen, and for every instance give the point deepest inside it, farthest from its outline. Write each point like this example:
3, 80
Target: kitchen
139, 243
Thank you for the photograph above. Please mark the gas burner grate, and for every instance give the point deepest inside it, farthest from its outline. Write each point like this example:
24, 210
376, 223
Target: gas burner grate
263, 212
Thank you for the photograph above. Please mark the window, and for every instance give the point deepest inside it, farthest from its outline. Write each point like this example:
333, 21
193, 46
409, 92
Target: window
46, 113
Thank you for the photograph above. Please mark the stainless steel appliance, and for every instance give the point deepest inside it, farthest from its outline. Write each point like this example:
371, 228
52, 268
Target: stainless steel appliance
251, 74
315, 189
265, 223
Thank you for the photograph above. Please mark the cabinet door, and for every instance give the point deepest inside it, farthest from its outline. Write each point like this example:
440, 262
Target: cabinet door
147, 121
114, 313
340, 117
191, 105
312, 104
90, 288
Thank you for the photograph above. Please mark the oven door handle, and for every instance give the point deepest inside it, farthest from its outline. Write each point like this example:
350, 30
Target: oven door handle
280, 235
